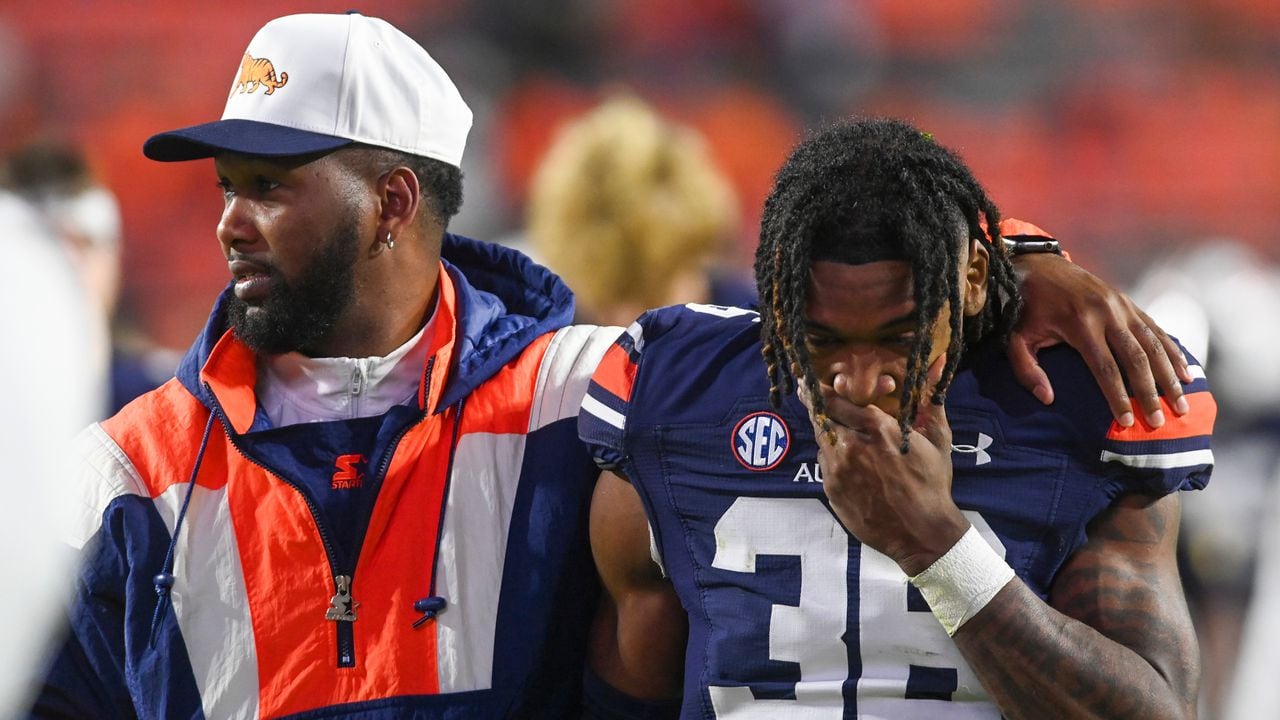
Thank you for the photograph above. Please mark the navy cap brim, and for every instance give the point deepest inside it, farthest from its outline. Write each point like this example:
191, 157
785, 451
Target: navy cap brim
247, 137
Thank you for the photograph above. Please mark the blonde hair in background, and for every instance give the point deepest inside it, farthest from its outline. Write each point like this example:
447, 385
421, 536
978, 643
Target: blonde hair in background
630, 210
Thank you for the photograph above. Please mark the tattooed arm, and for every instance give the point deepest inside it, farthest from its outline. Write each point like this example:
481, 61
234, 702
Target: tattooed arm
1117, 641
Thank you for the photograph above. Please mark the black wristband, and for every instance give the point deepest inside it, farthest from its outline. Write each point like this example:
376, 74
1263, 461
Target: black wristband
1027, 246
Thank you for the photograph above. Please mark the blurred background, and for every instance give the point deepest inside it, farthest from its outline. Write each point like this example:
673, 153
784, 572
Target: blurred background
1144, 134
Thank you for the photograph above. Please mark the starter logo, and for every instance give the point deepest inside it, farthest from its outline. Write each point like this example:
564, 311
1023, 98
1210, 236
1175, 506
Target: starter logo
350, 472
760, 441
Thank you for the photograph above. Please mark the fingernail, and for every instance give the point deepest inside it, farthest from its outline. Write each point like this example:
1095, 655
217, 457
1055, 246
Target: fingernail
1182, 407
1043, 394
1126, 420
1156, 419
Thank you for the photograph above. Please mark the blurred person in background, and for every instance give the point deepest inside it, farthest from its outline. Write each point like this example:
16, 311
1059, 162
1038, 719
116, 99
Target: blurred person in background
47, 325
85, 216
629, 208
1254, 692
1210, 295
56, 180
83, 219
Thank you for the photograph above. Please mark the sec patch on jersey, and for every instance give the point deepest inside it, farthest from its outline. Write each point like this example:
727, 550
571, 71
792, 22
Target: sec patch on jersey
760, 441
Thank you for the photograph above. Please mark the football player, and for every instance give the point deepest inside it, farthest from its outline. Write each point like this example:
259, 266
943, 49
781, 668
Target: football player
795, 525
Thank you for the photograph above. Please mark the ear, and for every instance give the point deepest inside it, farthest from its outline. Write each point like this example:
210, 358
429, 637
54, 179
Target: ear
399, 196
973, 289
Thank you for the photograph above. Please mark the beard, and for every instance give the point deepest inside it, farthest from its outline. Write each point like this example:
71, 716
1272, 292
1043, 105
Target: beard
299, 313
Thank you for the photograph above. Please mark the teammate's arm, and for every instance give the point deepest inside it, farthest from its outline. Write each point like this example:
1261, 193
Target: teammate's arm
1066, 303
1116, 639
638, 637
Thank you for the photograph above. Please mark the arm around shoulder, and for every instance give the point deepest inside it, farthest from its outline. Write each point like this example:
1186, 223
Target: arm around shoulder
1065, 303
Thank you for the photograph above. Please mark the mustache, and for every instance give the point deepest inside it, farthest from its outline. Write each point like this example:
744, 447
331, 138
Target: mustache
242, 265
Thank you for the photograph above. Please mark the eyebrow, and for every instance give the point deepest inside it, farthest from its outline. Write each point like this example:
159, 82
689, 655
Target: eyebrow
908, 318
260, 164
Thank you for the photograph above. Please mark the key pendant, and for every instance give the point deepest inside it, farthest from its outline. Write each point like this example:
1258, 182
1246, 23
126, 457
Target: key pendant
344, 609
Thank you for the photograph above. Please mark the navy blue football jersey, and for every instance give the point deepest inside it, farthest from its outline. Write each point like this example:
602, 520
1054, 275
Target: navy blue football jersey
789, 615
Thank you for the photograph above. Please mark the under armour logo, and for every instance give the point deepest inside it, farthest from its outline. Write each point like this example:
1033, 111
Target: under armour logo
984, 442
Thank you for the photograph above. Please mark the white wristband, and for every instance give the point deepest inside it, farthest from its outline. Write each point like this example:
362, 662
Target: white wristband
961, 582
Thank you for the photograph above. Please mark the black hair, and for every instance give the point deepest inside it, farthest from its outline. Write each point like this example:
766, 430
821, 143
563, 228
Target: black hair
441, 183
46, 169
866, 190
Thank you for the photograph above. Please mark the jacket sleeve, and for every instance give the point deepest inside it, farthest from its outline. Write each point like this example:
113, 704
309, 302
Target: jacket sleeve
87, 675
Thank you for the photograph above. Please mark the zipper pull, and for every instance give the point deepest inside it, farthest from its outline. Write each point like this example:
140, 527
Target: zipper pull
429, 607
344, 609
357, 380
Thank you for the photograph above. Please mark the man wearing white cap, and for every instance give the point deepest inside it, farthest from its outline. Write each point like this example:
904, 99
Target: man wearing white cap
362, 495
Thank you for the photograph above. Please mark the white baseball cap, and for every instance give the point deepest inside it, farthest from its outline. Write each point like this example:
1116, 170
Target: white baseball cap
310, 83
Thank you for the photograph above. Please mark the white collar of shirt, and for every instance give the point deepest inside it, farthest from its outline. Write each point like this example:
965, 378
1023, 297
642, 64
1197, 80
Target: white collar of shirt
293, 388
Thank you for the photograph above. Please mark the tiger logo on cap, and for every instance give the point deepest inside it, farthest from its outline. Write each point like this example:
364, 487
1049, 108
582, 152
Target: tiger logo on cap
258, 72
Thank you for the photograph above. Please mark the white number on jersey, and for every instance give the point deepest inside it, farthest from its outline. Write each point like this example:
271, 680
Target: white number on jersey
893, 641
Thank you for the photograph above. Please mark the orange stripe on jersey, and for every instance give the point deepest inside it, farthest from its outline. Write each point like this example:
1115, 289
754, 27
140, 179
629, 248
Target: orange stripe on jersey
1011, 227
616, 373
1199, 421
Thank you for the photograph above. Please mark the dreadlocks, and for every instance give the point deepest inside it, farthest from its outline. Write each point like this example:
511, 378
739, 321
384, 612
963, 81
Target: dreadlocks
869, 190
